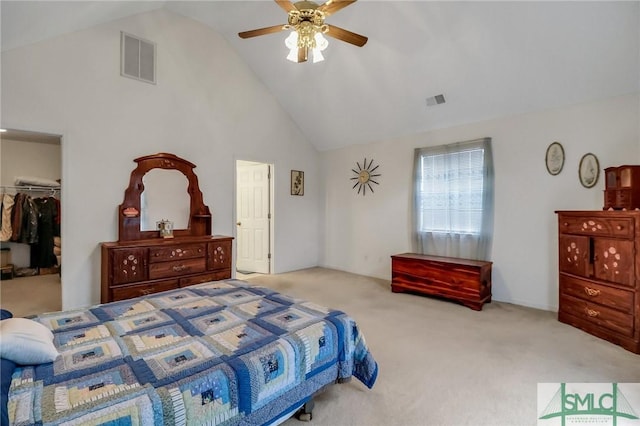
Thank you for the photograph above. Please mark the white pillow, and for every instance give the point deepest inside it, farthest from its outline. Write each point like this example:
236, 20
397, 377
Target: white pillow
26, 342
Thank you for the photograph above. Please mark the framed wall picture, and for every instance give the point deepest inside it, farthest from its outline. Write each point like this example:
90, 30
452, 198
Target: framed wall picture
297, 182
554, 158
589, 170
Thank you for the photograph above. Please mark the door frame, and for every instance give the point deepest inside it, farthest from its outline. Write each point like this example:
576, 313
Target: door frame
237, 161
59, 134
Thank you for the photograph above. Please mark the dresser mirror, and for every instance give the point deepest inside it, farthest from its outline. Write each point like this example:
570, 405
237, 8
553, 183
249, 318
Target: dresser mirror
165, 197
163, 186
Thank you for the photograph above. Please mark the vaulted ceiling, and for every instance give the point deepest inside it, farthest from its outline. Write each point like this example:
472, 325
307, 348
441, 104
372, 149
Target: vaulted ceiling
488, 59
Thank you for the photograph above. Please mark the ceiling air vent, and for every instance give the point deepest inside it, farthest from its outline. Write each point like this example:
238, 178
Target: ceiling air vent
435, 100
138, 58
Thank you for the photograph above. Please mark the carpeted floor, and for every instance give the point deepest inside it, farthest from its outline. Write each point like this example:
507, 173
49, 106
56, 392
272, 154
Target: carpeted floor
440, 363
444, 364
26, 296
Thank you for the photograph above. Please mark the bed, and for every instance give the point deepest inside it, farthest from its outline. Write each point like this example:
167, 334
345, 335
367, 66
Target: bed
220, 353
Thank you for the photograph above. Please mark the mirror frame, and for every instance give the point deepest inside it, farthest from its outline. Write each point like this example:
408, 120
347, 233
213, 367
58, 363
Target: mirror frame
129, 210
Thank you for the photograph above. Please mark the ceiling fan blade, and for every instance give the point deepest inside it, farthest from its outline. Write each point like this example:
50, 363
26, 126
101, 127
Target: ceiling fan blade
261, 31
286, 5
348, 36
332, 6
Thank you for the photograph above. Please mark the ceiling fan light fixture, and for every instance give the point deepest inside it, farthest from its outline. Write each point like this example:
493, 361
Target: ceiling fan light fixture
317, 55
293, 55
292, 44
307, 37
306, 22
292, 41
321, 42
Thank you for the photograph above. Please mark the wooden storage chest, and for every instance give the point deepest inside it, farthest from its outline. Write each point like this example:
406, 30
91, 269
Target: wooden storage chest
462, 280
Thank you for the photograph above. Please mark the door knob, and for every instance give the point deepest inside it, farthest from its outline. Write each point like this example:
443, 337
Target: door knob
238, 223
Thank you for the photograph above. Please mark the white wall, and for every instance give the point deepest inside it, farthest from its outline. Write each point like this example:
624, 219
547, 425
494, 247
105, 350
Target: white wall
207, 107
362, 232
26, 158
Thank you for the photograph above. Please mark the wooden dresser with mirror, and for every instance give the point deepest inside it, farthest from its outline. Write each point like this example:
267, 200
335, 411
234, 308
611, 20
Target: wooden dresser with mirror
142, 262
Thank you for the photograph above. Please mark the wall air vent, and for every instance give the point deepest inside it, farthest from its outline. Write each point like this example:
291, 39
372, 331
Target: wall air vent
435, 100
137, 58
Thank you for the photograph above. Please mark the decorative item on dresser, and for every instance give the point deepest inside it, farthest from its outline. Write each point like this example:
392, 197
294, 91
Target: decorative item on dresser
142, 262
462, 280
599, 261
622, 188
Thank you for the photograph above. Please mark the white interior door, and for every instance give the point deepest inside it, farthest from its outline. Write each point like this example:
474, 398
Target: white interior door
253, 217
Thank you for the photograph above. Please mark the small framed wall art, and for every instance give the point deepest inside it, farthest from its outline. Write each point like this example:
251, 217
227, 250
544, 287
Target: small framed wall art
297, 182
589, 170
554, 158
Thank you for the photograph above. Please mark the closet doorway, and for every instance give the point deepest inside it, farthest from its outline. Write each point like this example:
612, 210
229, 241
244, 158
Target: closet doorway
254, 217
30, 177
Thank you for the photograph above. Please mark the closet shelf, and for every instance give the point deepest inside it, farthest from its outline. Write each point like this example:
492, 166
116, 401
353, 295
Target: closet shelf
27, 188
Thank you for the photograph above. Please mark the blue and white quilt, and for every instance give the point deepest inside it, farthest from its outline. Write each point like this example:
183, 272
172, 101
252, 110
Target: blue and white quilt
218, 353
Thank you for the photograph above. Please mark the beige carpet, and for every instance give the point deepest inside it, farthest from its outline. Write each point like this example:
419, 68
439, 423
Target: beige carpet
444, 364
440, 363
26, 296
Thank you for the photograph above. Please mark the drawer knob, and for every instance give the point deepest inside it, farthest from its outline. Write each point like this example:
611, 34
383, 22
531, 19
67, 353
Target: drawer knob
566, 223
591, 312
593, 292
619, 227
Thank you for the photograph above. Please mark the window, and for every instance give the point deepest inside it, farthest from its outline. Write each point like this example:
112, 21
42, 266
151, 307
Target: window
454, 199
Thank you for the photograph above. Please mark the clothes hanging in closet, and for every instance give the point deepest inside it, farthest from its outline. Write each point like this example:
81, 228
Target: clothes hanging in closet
33, 221
5, 217
24, 220
42, 253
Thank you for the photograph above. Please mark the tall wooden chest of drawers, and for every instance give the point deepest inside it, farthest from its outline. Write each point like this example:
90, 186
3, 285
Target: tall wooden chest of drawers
462, 280
141, 267
599, 274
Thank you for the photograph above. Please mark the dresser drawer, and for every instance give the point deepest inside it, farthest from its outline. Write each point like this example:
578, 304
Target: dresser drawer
199, 279
176, 252
621, 300
597, 315
589, 225
128, 292
176, 268
623, 198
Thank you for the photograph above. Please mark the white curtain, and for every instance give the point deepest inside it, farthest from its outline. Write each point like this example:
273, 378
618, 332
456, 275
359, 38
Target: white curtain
453, 200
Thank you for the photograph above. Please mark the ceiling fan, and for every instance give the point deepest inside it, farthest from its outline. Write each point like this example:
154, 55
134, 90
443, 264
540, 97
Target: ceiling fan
306, 20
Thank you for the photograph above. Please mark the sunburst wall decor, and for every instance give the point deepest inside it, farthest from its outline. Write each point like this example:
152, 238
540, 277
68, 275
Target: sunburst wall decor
364, 176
